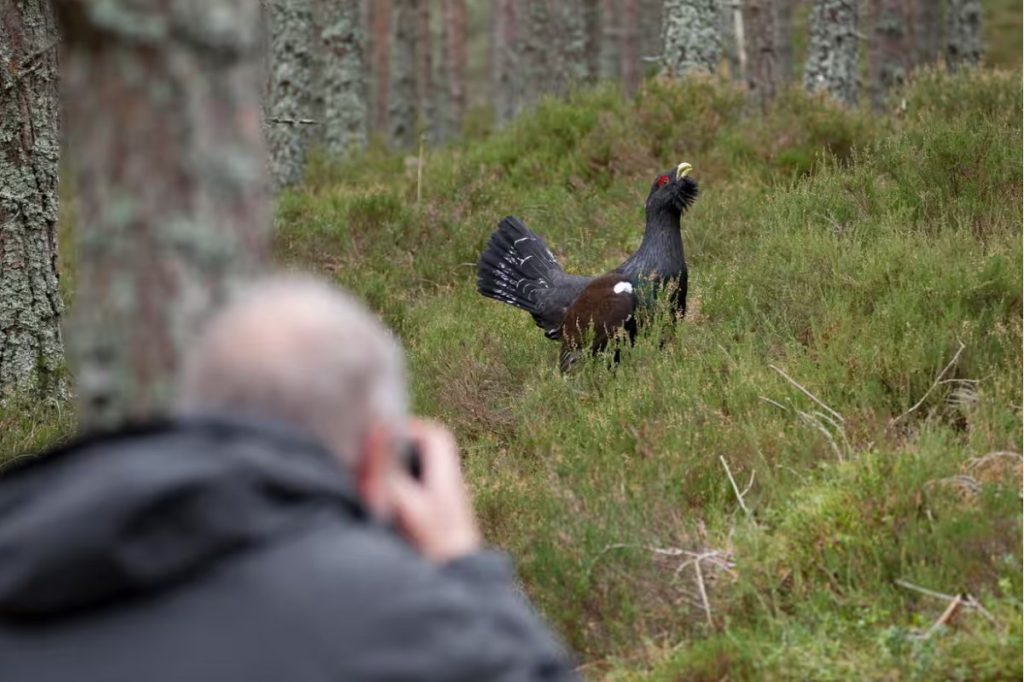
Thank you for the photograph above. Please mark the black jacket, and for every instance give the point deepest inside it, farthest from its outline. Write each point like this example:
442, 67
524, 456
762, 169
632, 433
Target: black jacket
215, 550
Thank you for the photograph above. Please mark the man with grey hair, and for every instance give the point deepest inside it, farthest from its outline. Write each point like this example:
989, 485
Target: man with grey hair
277, 529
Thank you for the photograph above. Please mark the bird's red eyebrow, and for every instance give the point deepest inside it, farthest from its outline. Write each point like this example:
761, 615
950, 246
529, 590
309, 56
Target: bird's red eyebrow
662, 181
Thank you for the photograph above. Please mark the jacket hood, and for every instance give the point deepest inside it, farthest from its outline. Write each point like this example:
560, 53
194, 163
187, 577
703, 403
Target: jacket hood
133, 512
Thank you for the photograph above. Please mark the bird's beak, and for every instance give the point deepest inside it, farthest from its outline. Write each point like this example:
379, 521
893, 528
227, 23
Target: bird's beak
683, 170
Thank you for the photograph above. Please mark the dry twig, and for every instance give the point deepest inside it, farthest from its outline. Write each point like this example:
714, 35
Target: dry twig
735, 488
937, 382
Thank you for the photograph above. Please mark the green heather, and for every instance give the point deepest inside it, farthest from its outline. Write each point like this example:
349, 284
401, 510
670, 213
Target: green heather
853, 252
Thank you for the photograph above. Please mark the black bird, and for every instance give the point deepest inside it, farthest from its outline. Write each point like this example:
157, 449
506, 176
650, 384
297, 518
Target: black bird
518, 268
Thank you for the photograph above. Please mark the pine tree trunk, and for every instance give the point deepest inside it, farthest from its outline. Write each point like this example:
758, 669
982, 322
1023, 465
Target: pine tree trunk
427, 119
785, 20
592, 30
568, 53
727, 32
926, 27
402, 90
504, 61
963, 33
761, 29
31, 352
650, 33
380, 62
609, 57
342, 75
165, 136
692, 42
832, 65
292, 76
534, 40
629, 46
455, 64
889, 49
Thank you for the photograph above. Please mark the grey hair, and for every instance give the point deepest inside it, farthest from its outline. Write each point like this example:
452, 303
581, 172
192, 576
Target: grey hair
296, 350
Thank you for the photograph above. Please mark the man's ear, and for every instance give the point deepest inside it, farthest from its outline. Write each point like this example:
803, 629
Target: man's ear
373, 467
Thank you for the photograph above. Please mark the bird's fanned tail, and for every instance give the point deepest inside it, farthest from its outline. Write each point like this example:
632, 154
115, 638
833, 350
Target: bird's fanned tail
517, 268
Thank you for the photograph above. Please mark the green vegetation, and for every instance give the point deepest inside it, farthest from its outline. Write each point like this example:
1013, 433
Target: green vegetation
853, 252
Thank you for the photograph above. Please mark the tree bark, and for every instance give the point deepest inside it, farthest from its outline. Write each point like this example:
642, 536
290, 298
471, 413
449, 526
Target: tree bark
164, 127
454, 62
888, 51
342, 75
762, 36
402, 90
31, 351
380, 61
292, 74
963, 33
629, 46
692, 41
568, 50
610, 60
534, 45
428, 118
926, 28
592, 31
832, 65
505, 61
785, 20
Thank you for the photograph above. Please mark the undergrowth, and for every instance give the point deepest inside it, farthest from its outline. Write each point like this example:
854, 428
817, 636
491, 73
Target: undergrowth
761, 491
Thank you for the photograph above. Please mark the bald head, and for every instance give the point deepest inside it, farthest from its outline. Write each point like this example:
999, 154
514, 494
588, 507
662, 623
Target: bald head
296, 350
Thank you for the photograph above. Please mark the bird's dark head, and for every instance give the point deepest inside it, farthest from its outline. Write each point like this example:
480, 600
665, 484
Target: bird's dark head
673, 192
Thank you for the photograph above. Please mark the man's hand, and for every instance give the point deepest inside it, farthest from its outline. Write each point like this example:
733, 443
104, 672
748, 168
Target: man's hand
435, 514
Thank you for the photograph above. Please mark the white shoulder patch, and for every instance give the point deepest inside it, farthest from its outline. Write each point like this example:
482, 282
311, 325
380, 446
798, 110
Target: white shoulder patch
623, 287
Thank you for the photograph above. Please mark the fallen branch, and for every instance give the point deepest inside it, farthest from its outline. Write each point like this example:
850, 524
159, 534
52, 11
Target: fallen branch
966, 600
937, 382
810, 395
735, 488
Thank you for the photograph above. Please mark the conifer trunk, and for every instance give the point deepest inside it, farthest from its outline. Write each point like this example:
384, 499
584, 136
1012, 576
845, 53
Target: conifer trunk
428, 116
629, 46
165, 136
291, 99
504, 61
569, 50
342, 75
454, 61
926, 28
692, 42
609, 57
592, 31
888, 50
402, 90
784, 17
761, 29
963, 33
31, 351
380, 62
832, 65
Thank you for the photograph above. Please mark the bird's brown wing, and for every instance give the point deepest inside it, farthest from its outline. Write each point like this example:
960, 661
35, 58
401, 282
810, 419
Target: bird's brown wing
598, 313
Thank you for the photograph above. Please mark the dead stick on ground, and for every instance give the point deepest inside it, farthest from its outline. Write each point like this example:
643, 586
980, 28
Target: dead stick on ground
937, 381
967, 600
945, 617
703, 591
808, 393
735, 488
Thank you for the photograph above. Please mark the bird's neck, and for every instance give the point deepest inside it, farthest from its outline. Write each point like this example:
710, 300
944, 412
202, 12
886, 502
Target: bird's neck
661, 251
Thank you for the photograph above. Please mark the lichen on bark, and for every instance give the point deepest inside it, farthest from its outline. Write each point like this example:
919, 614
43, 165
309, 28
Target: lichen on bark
692, 42
832, 56
963, 33
31, 350
342, 75
402, 93
164, 127
292, 74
